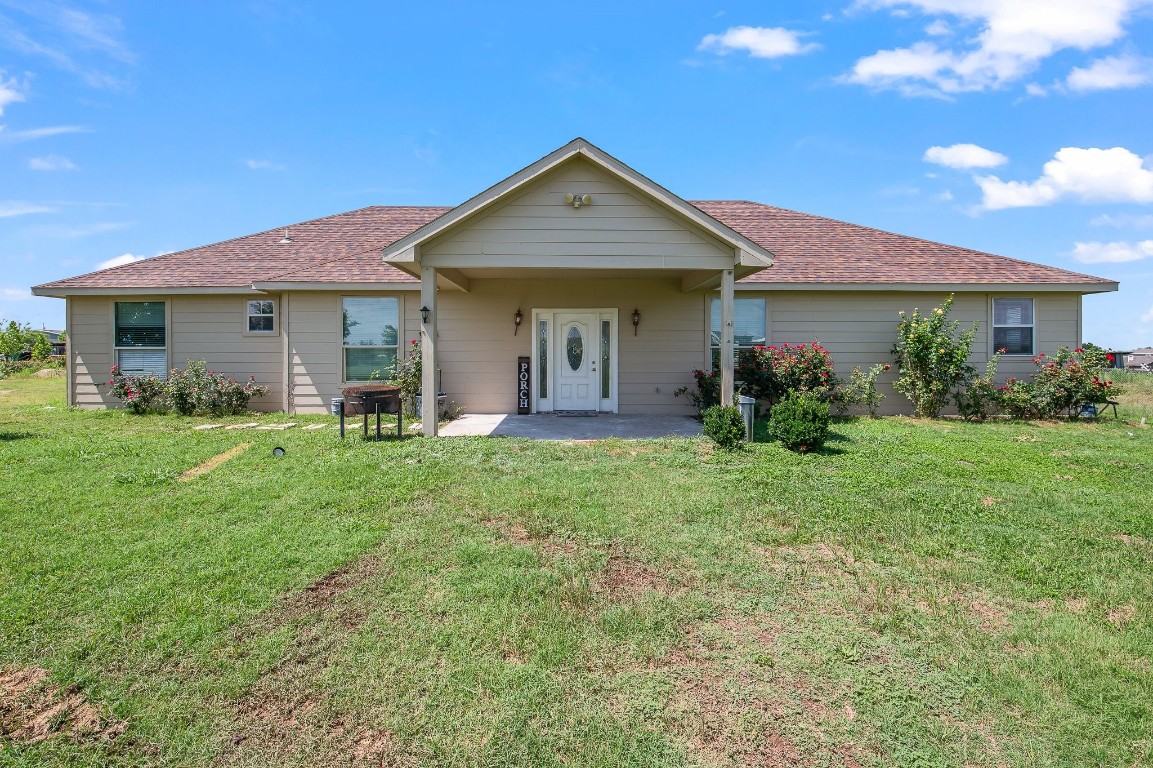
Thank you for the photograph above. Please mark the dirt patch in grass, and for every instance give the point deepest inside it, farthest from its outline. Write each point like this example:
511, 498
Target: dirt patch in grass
32, 710
1121, 615
520, 536
214, 462
624, 577
323, 594
1133, 541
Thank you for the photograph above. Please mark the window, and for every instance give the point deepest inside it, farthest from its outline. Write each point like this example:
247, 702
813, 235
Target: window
261, 316
748, 325
141, 338
1013, 326
371, 336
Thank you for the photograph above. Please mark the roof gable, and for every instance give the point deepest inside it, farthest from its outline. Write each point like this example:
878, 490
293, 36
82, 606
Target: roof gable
610, 171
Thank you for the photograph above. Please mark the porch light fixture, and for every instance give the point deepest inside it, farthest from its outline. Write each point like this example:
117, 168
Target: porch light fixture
576, 200
517, 319
424, 314
636, 320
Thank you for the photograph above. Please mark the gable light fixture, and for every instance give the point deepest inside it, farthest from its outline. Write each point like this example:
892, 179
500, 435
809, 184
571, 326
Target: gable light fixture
636, 320
424, 314
517, 319
576, 200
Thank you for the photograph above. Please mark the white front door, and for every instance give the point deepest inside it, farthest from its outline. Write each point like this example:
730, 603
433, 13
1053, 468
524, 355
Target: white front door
576, 362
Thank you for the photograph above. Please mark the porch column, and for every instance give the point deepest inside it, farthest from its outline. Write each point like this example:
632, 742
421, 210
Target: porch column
727, 289
428, 361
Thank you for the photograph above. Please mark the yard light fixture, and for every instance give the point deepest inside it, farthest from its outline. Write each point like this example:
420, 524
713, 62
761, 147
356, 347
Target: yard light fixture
576, 199
636, 320
517, 319
424, 314
286, 239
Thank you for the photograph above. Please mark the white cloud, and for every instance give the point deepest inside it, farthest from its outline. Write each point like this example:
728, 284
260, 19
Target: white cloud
263, 165
1014, 37
1112, 253
758, 42
1088, 175
31, 134
68, 38
10, 91
11, 208
1111, 73
51, 163
964, 156
15, 294
121, 260
939, 28
1148, 316
1034, 89
945, 196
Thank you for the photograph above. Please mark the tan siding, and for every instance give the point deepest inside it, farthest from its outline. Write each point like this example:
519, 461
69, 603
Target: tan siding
212, 329
859, 328
90, 347
478, 350
619, 228
315, 345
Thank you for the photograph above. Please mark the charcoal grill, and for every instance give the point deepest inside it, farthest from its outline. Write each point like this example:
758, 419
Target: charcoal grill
369, 399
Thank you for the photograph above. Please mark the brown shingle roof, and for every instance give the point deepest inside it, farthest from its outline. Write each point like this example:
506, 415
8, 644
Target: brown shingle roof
347, 248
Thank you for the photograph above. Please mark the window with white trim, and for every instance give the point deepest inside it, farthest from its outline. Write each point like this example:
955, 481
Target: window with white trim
748, 326
371, 336
141, 338
1014, 326
261, 316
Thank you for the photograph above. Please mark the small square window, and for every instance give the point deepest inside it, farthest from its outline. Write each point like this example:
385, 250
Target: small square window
1013, 326
261, 316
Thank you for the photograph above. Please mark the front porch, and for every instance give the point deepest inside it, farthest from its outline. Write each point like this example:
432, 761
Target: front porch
547, 426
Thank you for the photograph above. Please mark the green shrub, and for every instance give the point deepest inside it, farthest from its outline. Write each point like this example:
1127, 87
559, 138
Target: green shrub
724, 426
407, 374
41, 348
800, 422
981, 397
861, 390
931, 354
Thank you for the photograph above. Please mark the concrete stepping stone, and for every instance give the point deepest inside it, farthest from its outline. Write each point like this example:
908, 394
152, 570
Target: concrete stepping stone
207, 426
249, 425
278, 426
318, 426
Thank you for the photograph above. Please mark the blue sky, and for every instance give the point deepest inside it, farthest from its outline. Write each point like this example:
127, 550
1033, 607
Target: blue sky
1020, 127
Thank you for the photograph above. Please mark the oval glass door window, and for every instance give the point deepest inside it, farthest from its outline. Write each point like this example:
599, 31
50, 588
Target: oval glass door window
575, 348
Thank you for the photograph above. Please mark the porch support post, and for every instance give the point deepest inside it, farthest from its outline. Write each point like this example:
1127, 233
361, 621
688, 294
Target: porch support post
727, 290
428, 410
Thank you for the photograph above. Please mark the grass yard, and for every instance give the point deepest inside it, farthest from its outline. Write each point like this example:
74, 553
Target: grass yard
920, 594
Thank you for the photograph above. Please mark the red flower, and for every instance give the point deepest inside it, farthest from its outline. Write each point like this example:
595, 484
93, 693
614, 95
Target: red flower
885, 368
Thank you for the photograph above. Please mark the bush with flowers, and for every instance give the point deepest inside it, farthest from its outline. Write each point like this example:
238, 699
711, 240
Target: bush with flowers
138, 393
1071, 379
707, 393
931, 355
770, 373
193, 391
406, 374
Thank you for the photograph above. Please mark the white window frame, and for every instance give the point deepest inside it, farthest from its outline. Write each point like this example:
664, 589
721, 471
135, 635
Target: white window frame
709, 346
400, 346
116, 349
994, 326
248, 315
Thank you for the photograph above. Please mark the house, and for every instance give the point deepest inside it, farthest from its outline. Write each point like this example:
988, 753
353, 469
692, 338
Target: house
1140, 359
611, 286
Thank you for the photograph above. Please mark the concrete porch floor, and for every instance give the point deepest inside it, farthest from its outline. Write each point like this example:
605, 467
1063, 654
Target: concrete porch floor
545, 426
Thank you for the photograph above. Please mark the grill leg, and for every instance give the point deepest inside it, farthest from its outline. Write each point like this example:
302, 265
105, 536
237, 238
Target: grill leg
366, 425
400, 420
342, 421
377, 419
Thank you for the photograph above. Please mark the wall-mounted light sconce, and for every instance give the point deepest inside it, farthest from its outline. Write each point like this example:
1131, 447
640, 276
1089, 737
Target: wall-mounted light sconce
424, 314
577, 200
636, 320
517, 319
286, 238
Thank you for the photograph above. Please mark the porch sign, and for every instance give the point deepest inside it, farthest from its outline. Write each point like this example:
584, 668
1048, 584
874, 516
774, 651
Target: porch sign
523, 393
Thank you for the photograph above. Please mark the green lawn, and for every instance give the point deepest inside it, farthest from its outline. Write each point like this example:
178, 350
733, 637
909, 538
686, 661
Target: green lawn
920, 594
